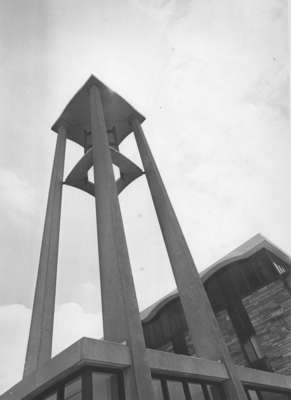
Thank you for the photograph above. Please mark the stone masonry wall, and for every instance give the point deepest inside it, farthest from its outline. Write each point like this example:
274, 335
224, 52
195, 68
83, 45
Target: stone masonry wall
269, 309
230, 337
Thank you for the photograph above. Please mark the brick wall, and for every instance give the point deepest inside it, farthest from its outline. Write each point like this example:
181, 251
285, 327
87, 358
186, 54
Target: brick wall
269, 309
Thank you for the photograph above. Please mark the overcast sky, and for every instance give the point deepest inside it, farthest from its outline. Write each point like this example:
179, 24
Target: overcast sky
211, 78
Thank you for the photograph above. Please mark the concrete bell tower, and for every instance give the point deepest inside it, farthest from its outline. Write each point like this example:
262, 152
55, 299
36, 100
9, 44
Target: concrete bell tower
98, 120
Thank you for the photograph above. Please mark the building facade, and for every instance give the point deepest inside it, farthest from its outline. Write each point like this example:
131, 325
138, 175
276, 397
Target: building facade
250, 292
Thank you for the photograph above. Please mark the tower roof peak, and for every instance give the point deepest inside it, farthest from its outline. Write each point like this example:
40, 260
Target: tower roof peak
76, 118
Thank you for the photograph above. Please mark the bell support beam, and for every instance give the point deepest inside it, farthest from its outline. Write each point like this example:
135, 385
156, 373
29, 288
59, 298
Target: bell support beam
113, 255
205, 333
78, 177
41, 328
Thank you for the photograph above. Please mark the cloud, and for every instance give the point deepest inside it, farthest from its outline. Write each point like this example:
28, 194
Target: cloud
271, 90
17, 194
87, 294
164, 11
14, 325
71, 323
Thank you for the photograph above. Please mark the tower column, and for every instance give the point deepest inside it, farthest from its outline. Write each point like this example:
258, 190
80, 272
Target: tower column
118, 293
41, 328
205, 333
114, 328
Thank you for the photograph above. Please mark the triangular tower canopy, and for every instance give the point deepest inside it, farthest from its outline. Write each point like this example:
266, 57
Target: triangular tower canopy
117, 112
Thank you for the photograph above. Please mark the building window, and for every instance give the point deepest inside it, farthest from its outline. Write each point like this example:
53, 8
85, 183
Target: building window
73, 390
256, 394
252, 350
182, 389
176, 390
90, 384
105, 386
158, 391
279, 268
51, 397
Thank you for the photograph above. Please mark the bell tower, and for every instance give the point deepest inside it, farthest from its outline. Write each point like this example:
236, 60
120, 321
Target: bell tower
98, 120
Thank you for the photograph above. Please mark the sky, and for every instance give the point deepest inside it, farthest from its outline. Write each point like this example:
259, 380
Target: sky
210, 76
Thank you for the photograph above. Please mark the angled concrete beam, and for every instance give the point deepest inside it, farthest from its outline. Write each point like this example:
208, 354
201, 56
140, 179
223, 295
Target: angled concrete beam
205, 333
41, 329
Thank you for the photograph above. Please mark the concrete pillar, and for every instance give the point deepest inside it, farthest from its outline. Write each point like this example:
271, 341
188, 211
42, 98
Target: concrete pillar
41, 329
111, 295
205, 333
118, 293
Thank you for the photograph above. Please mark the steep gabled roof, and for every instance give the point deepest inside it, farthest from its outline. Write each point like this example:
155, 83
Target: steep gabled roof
247, 249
